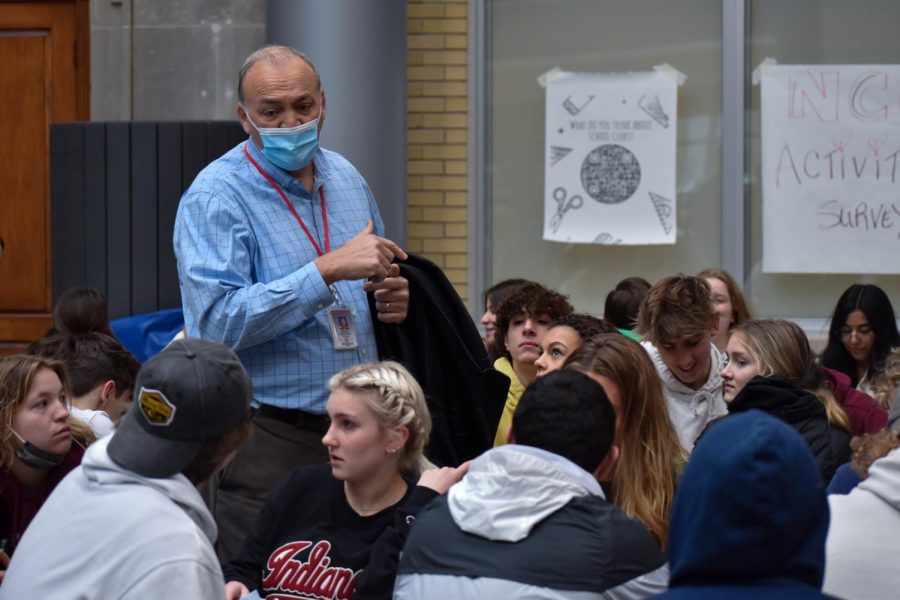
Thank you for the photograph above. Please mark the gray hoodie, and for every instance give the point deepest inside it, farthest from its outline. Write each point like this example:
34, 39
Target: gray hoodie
108, 533
691, 410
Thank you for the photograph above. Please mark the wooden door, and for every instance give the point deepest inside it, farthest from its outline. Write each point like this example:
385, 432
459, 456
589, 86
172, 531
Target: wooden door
44, 79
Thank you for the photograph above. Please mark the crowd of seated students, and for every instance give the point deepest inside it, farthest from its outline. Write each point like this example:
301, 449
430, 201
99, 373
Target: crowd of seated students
676, 446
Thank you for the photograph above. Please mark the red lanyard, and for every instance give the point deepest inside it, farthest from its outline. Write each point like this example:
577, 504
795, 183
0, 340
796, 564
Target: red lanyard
293, 210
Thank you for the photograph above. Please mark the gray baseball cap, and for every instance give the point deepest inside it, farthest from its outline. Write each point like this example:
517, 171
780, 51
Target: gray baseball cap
192, 391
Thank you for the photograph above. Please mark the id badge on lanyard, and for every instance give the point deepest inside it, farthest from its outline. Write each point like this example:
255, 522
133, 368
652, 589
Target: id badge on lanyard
340, 317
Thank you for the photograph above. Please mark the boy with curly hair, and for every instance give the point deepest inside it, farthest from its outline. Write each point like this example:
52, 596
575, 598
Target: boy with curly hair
522, 319
677, 321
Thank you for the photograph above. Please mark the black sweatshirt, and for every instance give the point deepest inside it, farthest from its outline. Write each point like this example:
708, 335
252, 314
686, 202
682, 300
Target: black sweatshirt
309, 543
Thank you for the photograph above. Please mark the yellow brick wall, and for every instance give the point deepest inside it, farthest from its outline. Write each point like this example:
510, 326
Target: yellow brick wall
437, 136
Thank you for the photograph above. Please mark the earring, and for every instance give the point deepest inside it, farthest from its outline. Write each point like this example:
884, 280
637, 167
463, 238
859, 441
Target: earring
392, 450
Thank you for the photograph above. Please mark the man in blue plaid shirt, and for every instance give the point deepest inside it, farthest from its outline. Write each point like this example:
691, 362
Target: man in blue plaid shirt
277, 243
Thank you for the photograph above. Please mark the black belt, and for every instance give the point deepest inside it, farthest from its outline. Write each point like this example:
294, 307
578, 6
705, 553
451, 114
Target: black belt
296, 417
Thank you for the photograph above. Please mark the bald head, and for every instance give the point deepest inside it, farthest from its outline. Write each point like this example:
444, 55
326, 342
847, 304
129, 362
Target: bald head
276, 55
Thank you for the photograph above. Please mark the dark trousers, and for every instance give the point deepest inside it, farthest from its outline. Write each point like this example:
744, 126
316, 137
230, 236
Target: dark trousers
236, 494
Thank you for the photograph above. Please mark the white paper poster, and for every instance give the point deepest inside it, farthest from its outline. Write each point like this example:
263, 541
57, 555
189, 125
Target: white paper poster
831, 179
610, 158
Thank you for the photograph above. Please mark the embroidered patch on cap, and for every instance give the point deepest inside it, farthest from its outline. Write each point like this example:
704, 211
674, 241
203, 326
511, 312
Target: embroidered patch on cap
155, 407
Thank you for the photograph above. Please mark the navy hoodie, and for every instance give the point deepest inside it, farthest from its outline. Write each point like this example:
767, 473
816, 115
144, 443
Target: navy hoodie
750, 517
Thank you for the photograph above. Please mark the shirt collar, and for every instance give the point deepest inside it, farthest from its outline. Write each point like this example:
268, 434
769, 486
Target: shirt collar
282, 177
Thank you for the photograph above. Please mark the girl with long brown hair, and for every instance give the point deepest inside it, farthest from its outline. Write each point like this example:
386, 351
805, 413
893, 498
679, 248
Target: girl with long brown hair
650, 456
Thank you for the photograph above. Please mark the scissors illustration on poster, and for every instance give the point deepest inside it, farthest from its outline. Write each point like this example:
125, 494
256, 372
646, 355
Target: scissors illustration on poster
563, 205
610, 156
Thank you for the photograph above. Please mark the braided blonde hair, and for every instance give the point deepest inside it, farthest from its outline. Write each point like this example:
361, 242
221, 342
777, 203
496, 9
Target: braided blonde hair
396, 399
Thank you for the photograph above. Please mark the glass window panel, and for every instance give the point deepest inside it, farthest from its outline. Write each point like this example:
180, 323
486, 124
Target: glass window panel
811, 32
529, 37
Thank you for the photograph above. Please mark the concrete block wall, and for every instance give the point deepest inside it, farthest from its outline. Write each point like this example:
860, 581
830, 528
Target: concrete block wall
437, 40
170, 61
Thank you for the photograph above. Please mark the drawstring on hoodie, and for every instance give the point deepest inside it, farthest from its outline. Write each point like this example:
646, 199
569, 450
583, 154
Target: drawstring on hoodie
700, 398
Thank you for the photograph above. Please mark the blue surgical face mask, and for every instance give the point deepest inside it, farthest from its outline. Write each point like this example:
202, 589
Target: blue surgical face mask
290, 148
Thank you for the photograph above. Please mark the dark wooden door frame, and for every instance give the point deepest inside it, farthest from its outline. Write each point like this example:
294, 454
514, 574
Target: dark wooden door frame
19, 327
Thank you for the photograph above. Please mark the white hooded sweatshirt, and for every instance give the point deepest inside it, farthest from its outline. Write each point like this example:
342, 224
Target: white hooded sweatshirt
505, 494
864, 535
106, 532
691, 410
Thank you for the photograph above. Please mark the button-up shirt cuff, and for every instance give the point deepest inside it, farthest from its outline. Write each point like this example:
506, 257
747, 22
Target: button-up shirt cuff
312, 289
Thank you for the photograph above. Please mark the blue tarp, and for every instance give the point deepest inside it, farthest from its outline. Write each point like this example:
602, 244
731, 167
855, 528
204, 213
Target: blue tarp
145, 335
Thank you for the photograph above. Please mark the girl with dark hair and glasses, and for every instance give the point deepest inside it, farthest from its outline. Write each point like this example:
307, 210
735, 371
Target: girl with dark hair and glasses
863, 332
